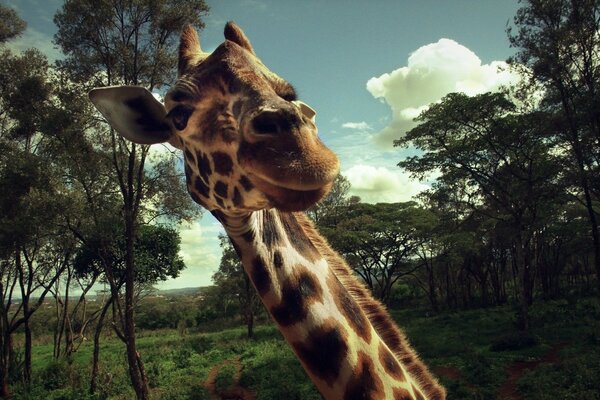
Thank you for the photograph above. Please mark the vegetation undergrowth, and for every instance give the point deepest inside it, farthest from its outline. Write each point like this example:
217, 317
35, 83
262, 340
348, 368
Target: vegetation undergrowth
472, 352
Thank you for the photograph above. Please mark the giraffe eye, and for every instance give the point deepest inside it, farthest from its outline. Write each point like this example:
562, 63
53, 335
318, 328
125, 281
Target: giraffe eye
180, 115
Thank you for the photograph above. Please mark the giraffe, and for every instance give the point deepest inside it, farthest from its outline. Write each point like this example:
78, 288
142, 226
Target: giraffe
252, 157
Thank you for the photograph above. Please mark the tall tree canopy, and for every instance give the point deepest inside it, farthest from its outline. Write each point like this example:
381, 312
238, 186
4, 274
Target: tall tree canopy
557, 42
496, 161
11, 25
134, 43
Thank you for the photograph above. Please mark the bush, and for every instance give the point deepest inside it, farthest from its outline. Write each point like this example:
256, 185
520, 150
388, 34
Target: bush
182, 328
514, 341
199, 343
226, 377
181, 357
575, 378
15, 370
56, 374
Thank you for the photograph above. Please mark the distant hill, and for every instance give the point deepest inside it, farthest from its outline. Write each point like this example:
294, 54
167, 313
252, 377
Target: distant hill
189, 291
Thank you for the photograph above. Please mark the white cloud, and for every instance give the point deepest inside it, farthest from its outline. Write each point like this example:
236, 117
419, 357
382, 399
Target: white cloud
201, 253
381, 185
361, 126
433, 71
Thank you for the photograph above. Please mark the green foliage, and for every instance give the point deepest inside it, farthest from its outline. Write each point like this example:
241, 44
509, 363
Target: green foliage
225, 377
514, 341
57, 374
99, 37
379, 240
460, 342
233, 292
332, 207
11, 25
288, 380
575, 378
16, 366
156, 254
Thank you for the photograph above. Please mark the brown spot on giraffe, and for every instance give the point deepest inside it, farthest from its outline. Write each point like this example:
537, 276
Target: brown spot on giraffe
323, 351
298, 239
347, 305
221, 189
390, 364
246, 184
204, 168
297, 294
189, 156
201, 187
364, 382
401, 394
270, 232
277, 259
223, 163
260, 276
237, 198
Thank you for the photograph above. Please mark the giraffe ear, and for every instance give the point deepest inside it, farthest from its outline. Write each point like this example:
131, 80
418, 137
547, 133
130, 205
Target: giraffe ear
306, 110
235, 34
190, 53
133, 112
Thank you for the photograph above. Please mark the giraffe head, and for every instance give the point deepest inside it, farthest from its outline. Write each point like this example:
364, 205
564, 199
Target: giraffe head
248, 142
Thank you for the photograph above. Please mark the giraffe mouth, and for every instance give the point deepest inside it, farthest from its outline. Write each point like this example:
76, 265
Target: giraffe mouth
288, 199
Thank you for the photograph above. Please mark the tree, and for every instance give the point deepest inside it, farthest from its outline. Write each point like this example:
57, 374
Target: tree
379, 241
333, 204
557, 41
499, 162
133, 43
35, 246
234, 286
11, 25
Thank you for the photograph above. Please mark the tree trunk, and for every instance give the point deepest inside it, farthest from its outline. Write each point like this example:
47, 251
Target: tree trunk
136, 367
431, 287
522, 268
6, 363
249, 306
576, 146
27, 360
96, 354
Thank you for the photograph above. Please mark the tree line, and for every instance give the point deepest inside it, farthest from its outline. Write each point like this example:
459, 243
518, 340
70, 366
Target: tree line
80, 205
512, 212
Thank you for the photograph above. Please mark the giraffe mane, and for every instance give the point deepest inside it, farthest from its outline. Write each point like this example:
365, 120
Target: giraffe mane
376, 313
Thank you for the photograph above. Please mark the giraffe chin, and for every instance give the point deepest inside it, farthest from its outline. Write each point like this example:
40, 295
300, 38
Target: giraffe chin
289, 200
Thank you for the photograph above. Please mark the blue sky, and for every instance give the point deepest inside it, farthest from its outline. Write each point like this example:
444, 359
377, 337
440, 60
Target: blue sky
367, 68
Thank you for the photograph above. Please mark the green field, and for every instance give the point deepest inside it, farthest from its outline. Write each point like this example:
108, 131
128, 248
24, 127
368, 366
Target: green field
476, 354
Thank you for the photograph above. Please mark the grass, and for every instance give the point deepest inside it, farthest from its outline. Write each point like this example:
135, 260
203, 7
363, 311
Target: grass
473, 352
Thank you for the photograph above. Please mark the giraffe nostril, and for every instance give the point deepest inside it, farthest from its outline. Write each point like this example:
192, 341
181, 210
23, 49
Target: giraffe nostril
272, 122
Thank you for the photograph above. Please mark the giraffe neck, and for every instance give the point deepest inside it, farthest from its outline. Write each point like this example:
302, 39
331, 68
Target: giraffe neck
343, 338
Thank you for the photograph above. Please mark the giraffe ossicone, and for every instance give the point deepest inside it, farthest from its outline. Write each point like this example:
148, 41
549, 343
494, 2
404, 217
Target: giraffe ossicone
254, 159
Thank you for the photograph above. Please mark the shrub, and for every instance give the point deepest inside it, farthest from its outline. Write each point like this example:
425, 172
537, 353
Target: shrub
181, 357
575, 378
514, 341
56, 374
199, 343
225, 377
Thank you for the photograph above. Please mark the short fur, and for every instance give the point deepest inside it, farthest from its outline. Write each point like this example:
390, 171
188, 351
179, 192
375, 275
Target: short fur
252, 156
376, 313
